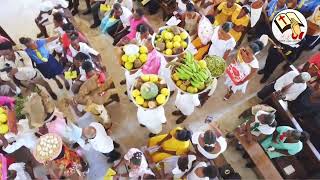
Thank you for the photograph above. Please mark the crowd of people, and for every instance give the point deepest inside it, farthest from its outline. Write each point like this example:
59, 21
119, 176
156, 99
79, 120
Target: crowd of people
66, 57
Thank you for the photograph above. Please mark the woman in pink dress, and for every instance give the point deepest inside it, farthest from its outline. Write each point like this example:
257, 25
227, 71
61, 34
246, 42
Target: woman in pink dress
136, 19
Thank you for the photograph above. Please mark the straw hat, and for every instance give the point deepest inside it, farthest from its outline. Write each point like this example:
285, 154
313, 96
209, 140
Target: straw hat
48, 148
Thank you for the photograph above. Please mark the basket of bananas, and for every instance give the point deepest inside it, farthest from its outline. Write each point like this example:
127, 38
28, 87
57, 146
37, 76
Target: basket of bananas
191, 76
171, 41
150, 91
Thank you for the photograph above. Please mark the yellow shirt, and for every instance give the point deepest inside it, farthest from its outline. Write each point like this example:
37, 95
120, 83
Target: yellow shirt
181, 147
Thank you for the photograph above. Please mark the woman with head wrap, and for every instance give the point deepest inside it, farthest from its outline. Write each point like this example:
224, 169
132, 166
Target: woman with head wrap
242, 69
285, 141
137, 163
260, 120
175, 143
240, 19
210, 143
222, 41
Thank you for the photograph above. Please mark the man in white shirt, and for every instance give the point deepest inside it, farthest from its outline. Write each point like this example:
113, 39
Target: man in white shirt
127, 4
94, 136
76, 46
125, 15
288, 87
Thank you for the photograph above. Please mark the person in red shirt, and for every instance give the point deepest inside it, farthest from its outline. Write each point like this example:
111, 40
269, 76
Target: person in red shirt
312, 66
66, 41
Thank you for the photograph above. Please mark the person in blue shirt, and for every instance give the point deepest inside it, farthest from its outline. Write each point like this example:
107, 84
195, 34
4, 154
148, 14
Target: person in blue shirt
275, 6
43, 60
307, 7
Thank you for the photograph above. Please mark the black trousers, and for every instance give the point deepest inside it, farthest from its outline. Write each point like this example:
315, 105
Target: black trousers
95, 9
114, 154
274, 58
117, 37
266, 91
112, 30
75, 4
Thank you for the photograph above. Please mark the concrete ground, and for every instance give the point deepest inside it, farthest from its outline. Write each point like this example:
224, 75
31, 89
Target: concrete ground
17, 18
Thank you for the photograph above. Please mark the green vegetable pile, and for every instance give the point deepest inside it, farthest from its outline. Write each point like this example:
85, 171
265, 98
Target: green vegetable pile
19, 104
216, 65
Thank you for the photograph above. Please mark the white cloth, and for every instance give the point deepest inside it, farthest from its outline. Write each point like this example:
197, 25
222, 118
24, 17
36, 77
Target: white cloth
25, 73
218, 46
125, 17
255, 16
21, 60
20, 169
221, 140
178, 173
130, 79
101, 142
181, 6
152, 118
187, 102
84, 48
295, 90
128, 4
143, 169
205, 30
193, 176
165, 72
246, 69
24, 137
263, 128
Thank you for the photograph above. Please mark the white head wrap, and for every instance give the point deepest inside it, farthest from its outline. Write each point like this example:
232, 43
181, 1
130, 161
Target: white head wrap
306, 76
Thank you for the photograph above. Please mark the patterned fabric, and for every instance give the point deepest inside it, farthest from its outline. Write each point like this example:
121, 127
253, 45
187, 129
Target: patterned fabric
69, 162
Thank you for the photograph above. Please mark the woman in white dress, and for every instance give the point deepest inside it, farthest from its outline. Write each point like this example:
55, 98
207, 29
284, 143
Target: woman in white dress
185, 103
210, 143
202, 171
152, 119
222, 41
259, 119
242, 68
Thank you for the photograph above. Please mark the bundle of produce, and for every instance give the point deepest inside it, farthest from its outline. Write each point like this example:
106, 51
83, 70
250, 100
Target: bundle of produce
171, 41
133, 57
216, 65
191, 76
4, 128
19, 105
150, 91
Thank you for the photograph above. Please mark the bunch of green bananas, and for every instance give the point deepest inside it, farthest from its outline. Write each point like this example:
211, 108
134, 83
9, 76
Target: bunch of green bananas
191, 71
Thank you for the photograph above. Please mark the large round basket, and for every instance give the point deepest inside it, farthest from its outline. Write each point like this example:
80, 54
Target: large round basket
132, 48
48, 147
219, 62
133, 87
187, 40
208, 85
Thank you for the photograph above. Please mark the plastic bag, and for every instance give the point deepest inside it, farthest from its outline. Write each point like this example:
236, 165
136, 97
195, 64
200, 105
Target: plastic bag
205, 30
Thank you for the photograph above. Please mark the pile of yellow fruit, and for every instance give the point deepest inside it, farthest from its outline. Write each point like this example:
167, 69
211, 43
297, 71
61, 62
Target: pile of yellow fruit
4, 128
132, 62
171, 40
150, 91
